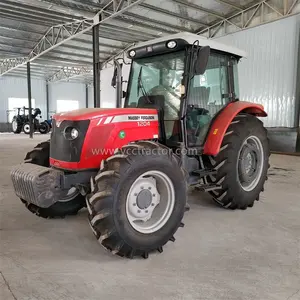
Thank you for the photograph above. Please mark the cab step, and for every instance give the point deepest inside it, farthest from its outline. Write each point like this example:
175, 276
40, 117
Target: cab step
204, 172
208, 187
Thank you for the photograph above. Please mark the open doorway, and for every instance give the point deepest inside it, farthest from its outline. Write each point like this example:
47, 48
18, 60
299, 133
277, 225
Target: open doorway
14, 103
66, 105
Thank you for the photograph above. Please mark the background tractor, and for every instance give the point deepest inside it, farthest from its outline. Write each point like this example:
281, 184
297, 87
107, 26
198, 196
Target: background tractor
181, 126
20, 121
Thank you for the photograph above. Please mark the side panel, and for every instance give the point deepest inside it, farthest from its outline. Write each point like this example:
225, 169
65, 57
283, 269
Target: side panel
107, 134
223, 120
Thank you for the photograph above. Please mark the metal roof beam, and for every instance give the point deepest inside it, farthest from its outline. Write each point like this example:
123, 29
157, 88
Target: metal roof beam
199, 8
231, 4
172, 14
244, 19
149, 20
69, 72
29, 20
59, 34
78, 40
22, 7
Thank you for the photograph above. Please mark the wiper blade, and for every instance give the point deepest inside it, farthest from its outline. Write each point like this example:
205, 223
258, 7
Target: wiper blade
141, 86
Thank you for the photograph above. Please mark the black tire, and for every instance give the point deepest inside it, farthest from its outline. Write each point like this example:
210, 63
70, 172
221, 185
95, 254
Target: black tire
232, 195
18, 127
40, 156
25, 128
107, 201
44, 128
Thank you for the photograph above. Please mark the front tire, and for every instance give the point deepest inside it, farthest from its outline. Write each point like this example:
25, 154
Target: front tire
69, 206
44, 128
26, 128
142, 182
242, 163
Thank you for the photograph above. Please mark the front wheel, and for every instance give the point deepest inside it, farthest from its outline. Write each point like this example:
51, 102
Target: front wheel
44, 128
242, 163
138, 200
26, 128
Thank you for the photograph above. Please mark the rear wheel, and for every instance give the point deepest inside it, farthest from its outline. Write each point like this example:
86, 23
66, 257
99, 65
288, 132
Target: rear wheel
72, 201
16, 125
242, 163
138, 200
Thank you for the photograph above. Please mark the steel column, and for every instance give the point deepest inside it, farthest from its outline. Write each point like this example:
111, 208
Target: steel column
29, 100
119, 81
47, 100
86, 96
96, 64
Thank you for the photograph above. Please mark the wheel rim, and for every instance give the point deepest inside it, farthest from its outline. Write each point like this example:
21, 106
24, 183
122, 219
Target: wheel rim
250, 163
70, 195
150, 202
14, 125
26, 128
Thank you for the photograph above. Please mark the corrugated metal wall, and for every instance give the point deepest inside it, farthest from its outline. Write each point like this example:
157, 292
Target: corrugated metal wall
17, 88
268, 75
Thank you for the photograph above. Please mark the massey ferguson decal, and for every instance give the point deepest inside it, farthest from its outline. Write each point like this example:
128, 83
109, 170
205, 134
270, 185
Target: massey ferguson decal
143, 118
140, 119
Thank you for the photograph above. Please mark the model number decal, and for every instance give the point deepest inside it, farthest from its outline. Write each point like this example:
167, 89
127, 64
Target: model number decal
145, 123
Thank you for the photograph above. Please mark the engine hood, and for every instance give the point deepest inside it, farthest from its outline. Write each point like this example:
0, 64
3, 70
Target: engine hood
95, 113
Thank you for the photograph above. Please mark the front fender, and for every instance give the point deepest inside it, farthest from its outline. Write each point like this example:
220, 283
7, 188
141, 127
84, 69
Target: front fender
221, 123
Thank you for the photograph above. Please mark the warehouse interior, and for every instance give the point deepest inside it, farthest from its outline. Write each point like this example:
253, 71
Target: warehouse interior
58, 56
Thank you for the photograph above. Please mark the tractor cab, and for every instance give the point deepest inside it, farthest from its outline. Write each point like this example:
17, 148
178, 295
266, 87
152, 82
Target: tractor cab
189, 79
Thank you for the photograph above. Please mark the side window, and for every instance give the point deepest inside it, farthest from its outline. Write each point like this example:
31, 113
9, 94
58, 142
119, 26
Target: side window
236, 80
211, 88
208, 94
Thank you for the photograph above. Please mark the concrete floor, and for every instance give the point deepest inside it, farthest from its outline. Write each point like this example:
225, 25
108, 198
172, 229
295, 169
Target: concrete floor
220, 254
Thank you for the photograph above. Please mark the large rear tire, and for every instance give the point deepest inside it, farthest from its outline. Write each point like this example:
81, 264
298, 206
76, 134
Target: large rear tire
242, 163
137, 200
70, 205
16, 125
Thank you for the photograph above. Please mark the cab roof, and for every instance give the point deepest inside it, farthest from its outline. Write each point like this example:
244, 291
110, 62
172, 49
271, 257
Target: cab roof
190, 38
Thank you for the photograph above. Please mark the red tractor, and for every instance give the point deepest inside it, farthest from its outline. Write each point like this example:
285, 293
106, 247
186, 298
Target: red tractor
181, 126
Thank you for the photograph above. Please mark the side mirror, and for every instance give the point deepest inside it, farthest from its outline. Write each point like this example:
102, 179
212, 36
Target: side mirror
114, 78
202, 60
117, 73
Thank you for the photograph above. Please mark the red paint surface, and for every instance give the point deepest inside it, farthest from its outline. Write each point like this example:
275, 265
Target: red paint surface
214, 140
101, 139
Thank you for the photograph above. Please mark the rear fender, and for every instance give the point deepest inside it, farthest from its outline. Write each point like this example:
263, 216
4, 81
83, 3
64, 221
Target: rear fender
221, 123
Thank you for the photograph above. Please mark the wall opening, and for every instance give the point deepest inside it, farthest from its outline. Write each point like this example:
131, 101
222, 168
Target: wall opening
66, 105
14, 103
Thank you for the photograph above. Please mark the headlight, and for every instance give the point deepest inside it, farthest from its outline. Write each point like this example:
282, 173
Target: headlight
171, 44
71, 133
132, 53
74, 133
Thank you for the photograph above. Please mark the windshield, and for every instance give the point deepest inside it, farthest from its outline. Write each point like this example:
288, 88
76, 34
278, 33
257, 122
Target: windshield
158, 75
